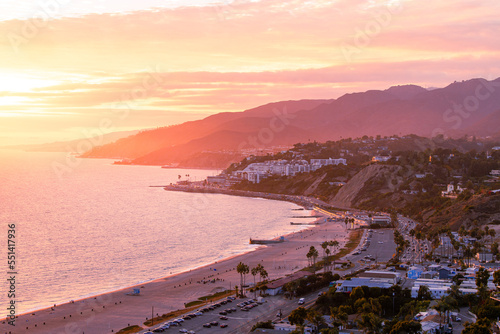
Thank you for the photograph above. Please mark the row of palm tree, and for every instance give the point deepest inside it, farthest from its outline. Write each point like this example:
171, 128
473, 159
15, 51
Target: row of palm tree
312, 255
437, 240
259, 269
244, 269
326, 245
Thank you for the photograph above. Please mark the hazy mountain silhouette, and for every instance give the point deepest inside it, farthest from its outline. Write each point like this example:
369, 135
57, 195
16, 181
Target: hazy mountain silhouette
469, 107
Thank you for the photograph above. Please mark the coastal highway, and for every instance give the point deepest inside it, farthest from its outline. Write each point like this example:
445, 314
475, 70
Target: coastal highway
382, 248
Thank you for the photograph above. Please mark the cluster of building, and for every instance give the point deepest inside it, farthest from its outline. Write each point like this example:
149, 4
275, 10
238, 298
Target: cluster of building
437, 278
255, 172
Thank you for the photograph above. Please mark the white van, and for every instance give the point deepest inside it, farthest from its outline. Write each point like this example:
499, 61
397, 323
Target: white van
301, 301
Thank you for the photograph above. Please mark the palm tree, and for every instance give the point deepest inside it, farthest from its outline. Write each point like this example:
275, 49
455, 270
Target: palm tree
339, 318
313, 255
315, 318
335, 245
263, 274
443, 305
242, 269
327, 251
324, 245
254, 271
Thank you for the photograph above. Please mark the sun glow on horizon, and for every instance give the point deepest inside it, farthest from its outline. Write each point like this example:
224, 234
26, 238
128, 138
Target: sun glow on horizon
167, 62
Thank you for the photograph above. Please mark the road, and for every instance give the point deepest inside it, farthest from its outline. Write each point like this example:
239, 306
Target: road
382, 248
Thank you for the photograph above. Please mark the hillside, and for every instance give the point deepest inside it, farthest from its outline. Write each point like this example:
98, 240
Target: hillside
477, 210
398, 110
410, 182
361, 186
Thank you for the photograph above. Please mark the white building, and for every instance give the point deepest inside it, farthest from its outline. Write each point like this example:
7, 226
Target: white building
438, 287
380, 158
255, 172
451, 190
349, 285
329, 161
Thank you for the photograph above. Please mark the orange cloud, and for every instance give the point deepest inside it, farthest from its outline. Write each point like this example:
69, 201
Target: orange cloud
233, 57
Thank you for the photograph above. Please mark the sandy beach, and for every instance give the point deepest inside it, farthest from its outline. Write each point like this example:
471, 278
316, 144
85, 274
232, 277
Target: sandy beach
116, 310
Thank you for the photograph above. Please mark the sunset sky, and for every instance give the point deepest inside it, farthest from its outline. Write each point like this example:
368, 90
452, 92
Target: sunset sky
66, 65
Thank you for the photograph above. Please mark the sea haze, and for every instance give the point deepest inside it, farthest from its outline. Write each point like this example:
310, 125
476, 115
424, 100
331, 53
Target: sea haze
99, 227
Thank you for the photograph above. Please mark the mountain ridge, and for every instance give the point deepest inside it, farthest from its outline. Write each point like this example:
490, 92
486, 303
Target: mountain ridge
459, 108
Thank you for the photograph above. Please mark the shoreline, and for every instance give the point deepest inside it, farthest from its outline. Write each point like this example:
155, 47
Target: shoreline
161, 278
302, 201
295, 199
171, 292
182, 271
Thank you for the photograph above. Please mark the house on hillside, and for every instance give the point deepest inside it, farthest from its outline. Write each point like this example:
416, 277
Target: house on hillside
380, 158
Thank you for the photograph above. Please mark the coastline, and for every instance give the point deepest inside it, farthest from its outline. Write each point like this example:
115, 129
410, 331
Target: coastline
138, 284
118, 309
303, 201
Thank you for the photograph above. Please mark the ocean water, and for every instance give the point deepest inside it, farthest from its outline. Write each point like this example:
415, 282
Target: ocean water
85, 226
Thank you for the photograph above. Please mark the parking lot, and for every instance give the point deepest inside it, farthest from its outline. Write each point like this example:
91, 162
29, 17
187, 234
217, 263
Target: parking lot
223, 316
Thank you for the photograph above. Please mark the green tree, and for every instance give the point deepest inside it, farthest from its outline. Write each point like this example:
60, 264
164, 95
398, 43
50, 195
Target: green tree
482, 277
263, 324
329, 331
324, 245
315, 318
480, 327
298, 316
263, 274
254, 273
357, 293
406, 327
338, 315
370, 323
455, 293
242, 269
313, 255
496, 278
335, 245
424, 293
